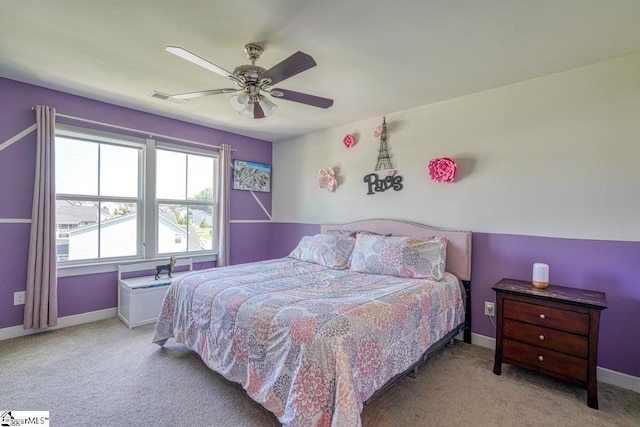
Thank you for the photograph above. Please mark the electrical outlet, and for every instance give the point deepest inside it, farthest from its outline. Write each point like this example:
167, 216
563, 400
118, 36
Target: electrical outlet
18, 298
488, 308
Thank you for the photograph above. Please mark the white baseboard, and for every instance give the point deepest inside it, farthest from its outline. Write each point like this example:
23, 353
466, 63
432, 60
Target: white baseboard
604, 375
483, 341
618, 378
63, 322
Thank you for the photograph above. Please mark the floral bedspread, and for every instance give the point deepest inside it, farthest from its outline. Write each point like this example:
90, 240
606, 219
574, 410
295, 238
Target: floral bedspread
307, 342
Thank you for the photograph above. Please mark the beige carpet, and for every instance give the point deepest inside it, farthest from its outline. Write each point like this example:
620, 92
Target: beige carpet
104, 374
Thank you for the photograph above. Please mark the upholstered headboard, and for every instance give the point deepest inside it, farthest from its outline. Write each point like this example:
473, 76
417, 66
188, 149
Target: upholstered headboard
458, 247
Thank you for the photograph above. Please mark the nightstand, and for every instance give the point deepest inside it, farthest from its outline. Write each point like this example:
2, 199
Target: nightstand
553, 331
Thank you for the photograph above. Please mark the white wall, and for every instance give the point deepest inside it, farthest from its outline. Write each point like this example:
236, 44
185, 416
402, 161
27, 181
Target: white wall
555, 156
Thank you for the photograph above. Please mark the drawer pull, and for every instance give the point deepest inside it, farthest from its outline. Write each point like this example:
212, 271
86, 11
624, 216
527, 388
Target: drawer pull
540, 358
542, 316
541, 337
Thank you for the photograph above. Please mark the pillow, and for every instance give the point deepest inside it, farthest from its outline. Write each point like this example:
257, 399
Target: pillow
330, 250
400, 256
353, 233
341, 233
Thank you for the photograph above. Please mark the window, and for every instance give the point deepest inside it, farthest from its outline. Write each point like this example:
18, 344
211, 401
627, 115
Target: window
98, 196
185, 193
119, 197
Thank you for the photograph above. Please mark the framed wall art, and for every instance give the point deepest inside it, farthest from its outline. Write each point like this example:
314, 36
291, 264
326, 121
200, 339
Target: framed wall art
251, 176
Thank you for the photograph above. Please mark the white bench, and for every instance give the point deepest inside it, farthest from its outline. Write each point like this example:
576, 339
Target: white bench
140, 298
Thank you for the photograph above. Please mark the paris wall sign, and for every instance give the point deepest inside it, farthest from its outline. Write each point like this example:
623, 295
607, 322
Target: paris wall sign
376, 183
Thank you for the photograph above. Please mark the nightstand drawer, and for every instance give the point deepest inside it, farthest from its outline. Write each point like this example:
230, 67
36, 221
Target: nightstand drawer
548, 317
552, 339
545, 360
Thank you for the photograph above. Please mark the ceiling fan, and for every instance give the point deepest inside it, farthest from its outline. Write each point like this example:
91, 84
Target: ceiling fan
254, 81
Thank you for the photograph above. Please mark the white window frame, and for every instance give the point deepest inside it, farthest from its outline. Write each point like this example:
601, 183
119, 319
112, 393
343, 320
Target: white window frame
88, 134
151, 217
147, 219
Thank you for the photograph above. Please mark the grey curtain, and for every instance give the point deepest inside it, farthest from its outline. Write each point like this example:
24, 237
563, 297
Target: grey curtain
41, 302
224, 206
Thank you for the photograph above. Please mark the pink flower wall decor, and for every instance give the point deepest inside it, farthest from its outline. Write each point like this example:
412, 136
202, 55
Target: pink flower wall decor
349, 141
442, 169
328, 179
378, 131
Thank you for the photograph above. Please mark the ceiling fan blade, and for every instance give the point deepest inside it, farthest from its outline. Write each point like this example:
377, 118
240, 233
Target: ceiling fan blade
191, 95
195, 59
258, 112
295, 64
303, 98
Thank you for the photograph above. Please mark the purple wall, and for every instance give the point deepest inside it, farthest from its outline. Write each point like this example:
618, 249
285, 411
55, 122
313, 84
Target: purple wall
82, 294
287, 236
608, 266
612, 267
280, 238
250, 241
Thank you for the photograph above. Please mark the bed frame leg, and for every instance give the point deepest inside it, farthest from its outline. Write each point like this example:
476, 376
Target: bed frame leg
413, 373
467, 330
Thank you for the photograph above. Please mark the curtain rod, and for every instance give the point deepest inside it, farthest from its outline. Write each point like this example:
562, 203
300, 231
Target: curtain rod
146, 132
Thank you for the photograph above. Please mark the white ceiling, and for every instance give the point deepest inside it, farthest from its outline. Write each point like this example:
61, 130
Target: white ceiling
374, 57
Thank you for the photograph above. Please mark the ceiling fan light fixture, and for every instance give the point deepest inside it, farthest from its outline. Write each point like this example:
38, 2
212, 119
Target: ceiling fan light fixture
244, 104
267, 105
247, 112
240, 102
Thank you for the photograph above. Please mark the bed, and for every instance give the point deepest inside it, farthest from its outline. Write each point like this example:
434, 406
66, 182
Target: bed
315, 336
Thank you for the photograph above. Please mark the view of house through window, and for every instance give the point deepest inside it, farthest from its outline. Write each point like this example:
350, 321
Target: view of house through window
98, 199
100, 203
185, 194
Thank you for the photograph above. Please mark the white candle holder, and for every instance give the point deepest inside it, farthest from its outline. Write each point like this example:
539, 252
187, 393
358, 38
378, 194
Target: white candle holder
540, 275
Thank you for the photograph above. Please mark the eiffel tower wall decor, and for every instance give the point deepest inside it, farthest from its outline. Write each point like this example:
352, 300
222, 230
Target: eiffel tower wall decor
384, 161
375, 183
